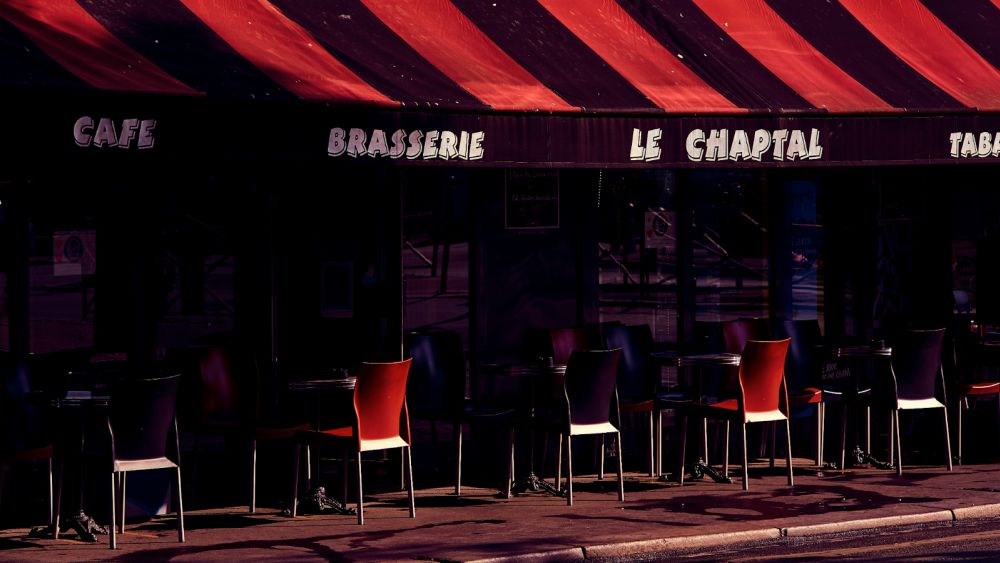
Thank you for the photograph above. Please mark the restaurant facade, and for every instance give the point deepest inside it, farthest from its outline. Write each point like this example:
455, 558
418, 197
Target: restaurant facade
314, 179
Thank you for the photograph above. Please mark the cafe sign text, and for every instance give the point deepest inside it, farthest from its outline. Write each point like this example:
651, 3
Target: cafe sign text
106, 132
733, 144
416, 144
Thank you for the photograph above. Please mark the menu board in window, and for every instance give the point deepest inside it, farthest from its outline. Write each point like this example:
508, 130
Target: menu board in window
532, 199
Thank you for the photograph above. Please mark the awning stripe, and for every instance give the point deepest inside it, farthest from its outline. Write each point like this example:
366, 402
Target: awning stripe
371, 50
718, 60
73, 38
170, 35
762, 32
538, 42
26, 66
640, 58
977, 22
833, 31
940, 55
284, 51
444, 36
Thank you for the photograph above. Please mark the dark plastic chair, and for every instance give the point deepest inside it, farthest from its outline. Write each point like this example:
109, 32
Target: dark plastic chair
802, 367
141, 418
763, 397
22, 436
230, 405
381, 422
638, 378
435, 389
915, 381
591, 407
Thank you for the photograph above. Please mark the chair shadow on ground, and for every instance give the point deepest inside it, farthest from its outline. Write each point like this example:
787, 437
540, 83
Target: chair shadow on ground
730, 508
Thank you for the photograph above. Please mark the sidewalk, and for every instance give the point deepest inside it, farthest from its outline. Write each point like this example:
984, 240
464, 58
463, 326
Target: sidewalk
656, 517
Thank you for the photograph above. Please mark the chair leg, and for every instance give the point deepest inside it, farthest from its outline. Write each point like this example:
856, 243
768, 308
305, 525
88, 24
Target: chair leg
892, 439
559, 453
121, 529
457, 430
774, 440
112, 536
510, 465
868, 429
253, 476
947, 438
958, 414
652, 447
899, 444
843, 437
725, 452
600, 461
361, 507
51, 495
621, 476
659, 441
180, 509
58, 509
409, 479
309, 467
569, 470
346, 473
743, 448
704, 440
788, 452
294, 504
684, 436
819, 435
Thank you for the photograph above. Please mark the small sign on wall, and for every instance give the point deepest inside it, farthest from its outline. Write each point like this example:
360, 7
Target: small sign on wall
531, 199
74, 253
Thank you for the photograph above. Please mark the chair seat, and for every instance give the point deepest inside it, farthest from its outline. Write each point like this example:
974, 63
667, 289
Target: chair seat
599, 428
637, 405
345, 434
914, 404
807, 396
262, 433
43, 452
981, 388
143, 464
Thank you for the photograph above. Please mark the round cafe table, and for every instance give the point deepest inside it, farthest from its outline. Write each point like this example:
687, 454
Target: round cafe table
699, 362
861, 353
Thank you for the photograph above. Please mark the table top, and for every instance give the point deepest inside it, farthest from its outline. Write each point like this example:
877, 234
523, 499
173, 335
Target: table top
679, 359
862, 351
81, 398
330, 384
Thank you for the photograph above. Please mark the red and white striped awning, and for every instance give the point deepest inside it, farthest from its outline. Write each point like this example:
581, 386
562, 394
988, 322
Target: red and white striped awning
642, 58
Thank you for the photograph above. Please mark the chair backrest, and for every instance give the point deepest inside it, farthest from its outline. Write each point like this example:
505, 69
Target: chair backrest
916, 363
228, 387
803, 359
590, 385
761, 372
636, 379
436, 384
380, 402
142, 416
736, 333
21, 417
565, 340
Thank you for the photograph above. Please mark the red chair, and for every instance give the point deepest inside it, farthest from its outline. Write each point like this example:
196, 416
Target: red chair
975, 387
230, 405
763, 397
565, 340
381, 422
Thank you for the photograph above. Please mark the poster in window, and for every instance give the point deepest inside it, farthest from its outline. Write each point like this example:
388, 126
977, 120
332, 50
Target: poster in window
532, 199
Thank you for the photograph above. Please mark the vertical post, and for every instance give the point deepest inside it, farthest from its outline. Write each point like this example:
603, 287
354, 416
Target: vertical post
686, 281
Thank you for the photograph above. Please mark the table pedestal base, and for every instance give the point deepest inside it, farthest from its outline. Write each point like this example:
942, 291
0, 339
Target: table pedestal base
317, 502
698, 470
861, 457
535, 484
85, 527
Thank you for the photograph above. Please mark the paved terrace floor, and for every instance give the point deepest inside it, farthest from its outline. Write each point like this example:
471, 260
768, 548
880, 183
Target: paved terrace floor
479, 525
